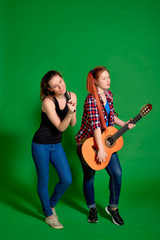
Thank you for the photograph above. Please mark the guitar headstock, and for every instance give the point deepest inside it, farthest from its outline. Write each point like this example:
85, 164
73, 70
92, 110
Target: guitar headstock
146, 109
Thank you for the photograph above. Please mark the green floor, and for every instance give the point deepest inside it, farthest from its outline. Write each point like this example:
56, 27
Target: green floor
22, 217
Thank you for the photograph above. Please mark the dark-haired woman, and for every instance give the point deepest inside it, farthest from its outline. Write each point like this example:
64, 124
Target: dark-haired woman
57, 113
99, 113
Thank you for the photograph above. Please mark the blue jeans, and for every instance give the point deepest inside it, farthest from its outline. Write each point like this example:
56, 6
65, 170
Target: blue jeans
42, 154
115, 173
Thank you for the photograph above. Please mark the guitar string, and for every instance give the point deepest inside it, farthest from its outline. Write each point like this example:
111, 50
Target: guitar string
125, 128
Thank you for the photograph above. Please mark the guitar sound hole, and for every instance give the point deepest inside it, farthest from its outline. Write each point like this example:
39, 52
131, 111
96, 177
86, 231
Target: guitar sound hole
110, 141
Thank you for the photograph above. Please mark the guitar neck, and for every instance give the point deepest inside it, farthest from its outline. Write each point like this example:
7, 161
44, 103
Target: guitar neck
125, 127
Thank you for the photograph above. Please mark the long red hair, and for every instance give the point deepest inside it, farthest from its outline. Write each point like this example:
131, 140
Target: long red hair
91, 87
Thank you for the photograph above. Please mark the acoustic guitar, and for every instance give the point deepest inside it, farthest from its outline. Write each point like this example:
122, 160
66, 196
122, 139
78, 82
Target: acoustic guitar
112, 142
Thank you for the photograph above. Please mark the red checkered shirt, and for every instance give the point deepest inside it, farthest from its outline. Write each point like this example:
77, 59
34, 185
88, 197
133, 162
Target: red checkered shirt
91, 118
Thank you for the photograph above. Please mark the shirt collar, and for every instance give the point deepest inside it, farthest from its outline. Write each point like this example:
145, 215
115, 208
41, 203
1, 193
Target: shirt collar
106, 94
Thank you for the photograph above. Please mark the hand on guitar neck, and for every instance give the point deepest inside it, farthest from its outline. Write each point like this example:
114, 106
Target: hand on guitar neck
130, 124
122, 123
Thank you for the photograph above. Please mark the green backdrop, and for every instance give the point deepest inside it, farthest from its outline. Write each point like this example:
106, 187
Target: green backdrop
73, 37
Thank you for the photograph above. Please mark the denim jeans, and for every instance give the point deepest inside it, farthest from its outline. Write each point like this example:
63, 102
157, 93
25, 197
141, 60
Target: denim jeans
42, 154
115, 173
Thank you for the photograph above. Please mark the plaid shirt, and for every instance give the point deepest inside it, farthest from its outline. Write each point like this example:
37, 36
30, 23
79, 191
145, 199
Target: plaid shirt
91, 119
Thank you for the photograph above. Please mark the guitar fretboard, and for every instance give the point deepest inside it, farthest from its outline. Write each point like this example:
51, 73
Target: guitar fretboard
125, 128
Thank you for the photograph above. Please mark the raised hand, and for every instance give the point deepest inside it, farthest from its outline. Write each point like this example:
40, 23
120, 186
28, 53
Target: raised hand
71, 107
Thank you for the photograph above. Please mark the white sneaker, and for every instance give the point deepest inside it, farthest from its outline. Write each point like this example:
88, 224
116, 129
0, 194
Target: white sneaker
53, 222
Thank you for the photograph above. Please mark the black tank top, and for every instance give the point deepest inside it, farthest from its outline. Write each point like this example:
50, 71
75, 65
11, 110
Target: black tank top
48, 133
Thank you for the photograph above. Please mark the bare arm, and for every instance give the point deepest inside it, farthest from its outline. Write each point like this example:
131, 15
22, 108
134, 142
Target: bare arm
118, 121
49, 108
101, 152
122, 123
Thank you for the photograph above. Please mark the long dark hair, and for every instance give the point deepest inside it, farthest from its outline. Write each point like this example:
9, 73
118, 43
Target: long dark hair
44, 83
91, 87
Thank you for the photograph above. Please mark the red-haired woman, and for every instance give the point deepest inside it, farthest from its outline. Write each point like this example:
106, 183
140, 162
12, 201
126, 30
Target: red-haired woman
99, 113
58, 112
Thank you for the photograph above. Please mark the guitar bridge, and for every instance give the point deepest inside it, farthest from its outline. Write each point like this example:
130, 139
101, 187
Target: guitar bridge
96, 151
94, 148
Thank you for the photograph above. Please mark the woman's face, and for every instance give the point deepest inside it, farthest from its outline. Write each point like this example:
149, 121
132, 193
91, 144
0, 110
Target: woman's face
103, 81
57, 85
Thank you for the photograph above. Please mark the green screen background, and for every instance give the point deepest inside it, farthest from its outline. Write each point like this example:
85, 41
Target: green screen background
73, 37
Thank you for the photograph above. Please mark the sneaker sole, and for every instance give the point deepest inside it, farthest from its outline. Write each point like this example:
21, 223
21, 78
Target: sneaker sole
112, 217
92, 221
52, 226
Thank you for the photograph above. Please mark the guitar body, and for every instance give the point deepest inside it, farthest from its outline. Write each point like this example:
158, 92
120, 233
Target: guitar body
89, 149
114, 143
